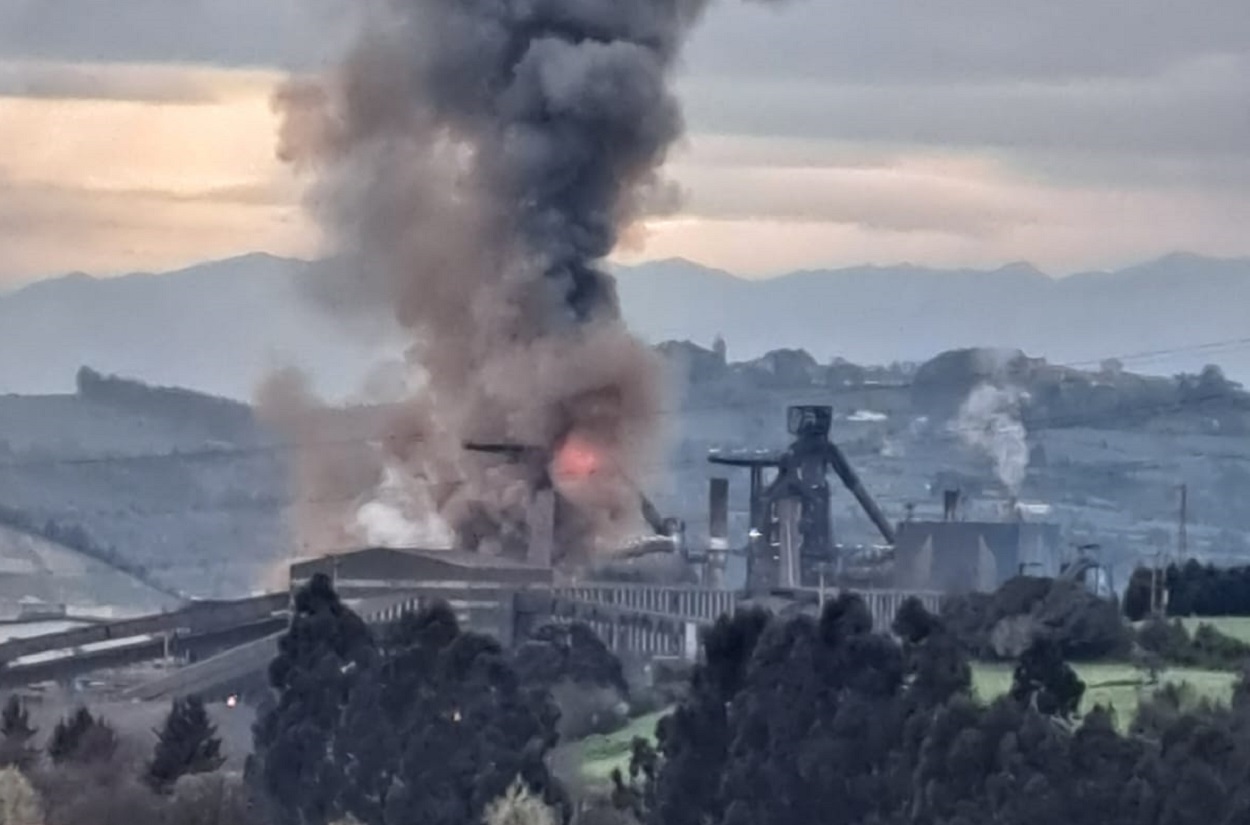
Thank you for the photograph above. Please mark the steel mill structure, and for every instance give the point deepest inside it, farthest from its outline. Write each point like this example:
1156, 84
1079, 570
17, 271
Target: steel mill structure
793, 565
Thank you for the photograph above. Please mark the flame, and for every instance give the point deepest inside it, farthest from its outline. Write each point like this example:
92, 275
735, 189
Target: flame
577, 458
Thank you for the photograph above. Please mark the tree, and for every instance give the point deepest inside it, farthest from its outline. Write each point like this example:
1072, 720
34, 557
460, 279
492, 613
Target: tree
1044, 680
519, 806
187, 744
82, 738
582, 675
320, 657
15, 735
467, 727
430, 726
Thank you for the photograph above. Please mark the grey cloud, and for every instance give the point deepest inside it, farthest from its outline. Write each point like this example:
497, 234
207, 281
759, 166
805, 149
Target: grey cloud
872, 201
1183, 127
1202, 112
67, 81
28, 206
866, 41
295, 34
966, 40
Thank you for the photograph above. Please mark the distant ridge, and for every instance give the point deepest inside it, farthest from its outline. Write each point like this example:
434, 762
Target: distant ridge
219, 327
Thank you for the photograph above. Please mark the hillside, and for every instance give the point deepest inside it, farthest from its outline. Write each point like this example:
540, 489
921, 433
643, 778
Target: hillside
35, 568
220, 327
193, 493
181, 488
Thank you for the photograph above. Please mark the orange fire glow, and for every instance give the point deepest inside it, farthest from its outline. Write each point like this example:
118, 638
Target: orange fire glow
577, 458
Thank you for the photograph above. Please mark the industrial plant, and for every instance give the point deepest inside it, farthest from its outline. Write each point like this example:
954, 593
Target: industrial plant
790, 554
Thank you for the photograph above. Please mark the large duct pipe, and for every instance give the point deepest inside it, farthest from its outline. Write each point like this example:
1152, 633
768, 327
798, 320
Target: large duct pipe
717, 530
849, 478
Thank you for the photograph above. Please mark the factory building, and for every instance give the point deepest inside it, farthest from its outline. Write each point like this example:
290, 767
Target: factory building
963, 556
476, 586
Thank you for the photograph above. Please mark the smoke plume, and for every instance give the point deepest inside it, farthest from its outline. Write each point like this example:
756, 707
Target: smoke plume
473, 162
989, 420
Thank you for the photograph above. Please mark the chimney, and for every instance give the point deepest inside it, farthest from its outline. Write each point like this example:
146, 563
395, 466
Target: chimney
542, 512
717, 530
950, 506
789, 511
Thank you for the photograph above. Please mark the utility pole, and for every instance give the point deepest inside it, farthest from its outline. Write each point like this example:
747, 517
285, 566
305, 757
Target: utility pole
1182, 534
1154, 585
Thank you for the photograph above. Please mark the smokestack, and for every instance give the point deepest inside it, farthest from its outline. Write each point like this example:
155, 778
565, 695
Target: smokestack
789, 511
717, 530
541, 519
950, 508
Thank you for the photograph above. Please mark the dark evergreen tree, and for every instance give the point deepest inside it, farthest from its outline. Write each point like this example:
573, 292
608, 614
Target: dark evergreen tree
187, 743
320, 657
82, 738
456, 727
815, 726
574, 653
1043, 679
16, 734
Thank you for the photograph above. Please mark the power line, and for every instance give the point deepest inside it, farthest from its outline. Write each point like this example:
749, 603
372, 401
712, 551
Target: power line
218, 452
1033, 423
1055, 422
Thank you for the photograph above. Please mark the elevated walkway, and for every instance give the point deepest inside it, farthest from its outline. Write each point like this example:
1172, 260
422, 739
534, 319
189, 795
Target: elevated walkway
240, 637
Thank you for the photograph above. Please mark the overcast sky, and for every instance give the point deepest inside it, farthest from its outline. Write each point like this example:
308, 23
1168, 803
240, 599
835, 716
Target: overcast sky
1076, 134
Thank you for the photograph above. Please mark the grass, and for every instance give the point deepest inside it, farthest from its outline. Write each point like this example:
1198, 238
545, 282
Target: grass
601, 753
1237, 627
1110, 684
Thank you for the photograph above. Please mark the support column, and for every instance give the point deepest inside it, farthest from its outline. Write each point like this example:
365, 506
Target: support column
789, 542
690, 648
718, 531
542, 513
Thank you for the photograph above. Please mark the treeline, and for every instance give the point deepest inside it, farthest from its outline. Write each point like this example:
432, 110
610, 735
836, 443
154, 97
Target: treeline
220, 417
85, 774
423, 722
825, 722
1191, 589
791, 721
1065, 397
76, 538
1000, 625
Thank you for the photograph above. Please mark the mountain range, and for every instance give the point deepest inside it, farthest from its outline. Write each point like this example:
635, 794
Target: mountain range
221, 326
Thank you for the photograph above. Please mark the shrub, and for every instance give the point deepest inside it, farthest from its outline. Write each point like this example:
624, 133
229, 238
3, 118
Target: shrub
520, 806
82, 738
19, 803
1001, 625
1206, 648
187, 744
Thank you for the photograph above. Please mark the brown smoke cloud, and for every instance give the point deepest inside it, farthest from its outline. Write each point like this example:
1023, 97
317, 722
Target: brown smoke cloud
472, 163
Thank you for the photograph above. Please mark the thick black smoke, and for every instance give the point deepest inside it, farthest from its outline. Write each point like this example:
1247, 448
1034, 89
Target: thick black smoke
476, 161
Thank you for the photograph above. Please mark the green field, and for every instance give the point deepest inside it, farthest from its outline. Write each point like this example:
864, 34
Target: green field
1236, 626
600, 754
1110, 684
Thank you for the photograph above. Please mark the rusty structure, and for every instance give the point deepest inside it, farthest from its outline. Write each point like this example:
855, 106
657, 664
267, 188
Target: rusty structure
550, 516
791, 531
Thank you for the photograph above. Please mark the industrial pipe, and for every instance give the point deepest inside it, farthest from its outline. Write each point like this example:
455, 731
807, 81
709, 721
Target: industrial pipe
845, 472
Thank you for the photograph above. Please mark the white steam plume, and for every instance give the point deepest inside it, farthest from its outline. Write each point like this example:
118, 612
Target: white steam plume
989, 420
